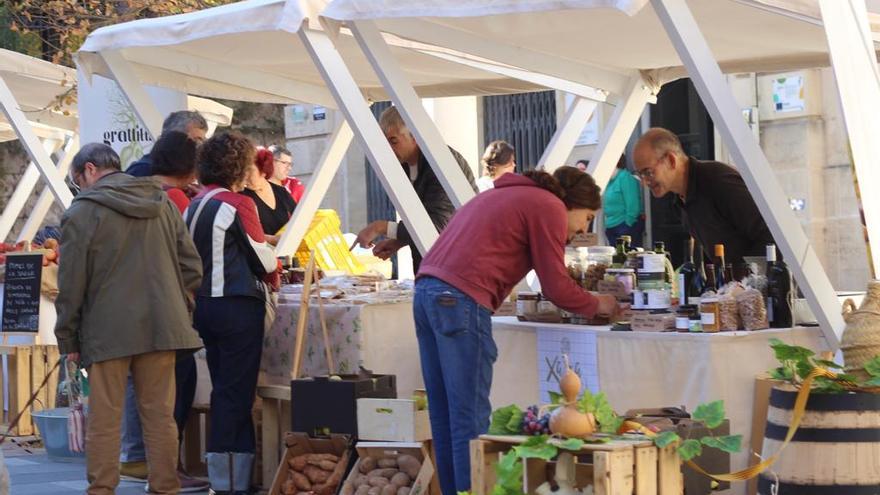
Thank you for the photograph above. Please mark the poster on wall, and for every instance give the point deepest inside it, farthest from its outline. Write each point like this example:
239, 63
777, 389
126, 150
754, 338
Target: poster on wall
788, 94
106, 117
590, 134
579, 346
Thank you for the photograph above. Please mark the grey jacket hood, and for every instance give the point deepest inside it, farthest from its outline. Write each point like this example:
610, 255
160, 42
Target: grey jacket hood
135, 197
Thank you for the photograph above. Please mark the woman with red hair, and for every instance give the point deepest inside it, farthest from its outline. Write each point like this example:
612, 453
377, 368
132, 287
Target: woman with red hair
274, 203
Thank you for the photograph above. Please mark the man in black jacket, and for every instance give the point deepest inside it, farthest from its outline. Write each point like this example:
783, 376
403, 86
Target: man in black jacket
712, 198
424, 181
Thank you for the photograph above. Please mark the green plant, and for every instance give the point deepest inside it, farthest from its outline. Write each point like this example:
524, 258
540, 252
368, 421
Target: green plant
712, 416
796, 362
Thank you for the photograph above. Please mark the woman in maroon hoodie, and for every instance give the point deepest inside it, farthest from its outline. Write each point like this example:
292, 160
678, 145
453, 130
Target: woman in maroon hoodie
489, 245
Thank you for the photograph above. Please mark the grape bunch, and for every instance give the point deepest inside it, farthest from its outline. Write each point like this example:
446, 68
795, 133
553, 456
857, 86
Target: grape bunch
533, 425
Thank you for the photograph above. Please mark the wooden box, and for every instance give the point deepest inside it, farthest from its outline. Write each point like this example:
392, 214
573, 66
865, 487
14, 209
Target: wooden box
27, 366
300, 443
422, 484
619, 467
392, 420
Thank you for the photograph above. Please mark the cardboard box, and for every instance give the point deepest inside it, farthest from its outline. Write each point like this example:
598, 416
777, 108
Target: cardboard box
392, 420
300, 443
379, 450
322, 406
644, 321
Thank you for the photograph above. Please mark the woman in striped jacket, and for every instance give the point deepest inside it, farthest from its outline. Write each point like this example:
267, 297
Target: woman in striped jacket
240, 269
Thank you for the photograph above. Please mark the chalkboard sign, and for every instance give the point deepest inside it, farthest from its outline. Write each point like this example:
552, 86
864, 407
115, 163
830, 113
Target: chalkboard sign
21, 293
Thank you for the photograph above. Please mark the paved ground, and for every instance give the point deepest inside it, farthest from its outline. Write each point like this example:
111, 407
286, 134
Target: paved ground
32, 473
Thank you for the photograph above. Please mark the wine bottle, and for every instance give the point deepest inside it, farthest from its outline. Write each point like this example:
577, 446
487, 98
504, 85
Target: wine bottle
690, 278
711, 280
719, 266
778, 291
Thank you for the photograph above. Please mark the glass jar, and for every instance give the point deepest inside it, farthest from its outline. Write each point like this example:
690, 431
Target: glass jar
597, 255
683, 317
710, 314
526, 304
626, 277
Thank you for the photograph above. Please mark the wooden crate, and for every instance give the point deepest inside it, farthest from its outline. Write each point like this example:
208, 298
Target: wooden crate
619, 467
300, 443
425, 482
27, 366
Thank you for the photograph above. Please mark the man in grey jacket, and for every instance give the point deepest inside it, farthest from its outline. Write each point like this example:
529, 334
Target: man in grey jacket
125, 296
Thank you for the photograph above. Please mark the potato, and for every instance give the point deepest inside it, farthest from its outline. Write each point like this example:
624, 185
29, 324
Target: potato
409, 465
297, 463
404, 490
363, 489
384, 473
388, 463
389, 490
401, 479
288, 488
301, 481
347, 488
315, 474
375, 491
359, 479
378, 481
367, 464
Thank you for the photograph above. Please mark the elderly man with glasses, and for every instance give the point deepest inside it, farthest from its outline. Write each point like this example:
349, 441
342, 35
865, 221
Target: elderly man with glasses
711, 197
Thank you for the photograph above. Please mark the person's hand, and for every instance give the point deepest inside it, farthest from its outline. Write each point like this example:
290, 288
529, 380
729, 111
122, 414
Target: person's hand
607, 305
193, 189
368, 234
73, 357
387, 248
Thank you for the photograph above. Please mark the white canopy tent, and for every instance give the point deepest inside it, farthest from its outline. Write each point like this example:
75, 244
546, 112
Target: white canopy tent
640, 44
35, 86
282, 55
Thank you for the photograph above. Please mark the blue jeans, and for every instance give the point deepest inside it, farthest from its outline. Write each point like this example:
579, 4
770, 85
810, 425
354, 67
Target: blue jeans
457, 353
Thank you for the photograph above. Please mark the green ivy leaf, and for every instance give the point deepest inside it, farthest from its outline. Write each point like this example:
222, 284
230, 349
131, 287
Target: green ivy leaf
666, 439
537, 447
804, 368
846, 377
501, 418
826, 386
609, 421
689, 449
729, 443
873, 382
555, 397
508, 473
781, 373
514, 424
587, 402
785, 352
712, 414
829, 364
574, 444
873, 367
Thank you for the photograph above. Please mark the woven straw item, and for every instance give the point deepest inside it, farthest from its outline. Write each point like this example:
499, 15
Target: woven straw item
861, 338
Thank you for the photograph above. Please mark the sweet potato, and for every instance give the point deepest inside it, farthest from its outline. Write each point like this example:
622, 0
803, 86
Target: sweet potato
389, 490
325, 465
375, 491
315, 474
367, 464
347, 488
301, 481
359, 479
288, 488
329, 486
378, 481
409, 465
298, 463
386, 473
363, 489
388, 463
401, 479
403, 490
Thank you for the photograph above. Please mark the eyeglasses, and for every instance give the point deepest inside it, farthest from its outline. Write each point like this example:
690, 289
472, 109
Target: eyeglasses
286, 162
647, 173
73, 181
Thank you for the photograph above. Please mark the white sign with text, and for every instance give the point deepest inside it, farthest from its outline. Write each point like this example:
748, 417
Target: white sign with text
579, 346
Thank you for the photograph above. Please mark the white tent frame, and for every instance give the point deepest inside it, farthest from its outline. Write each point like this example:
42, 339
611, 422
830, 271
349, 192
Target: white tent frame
857, 76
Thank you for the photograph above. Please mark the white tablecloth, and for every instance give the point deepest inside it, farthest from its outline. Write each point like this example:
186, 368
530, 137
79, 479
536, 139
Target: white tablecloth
647, 369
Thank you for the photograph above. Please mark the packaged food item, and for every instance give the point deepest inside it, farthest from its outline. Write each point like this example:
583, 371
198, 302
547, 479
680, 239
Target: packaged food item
683, 317
728, 314
752, 310
709, 314
526, 304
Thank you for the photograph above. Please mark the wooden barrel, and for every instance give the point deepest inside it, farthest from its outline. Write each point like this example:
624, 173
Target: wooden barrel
836, 450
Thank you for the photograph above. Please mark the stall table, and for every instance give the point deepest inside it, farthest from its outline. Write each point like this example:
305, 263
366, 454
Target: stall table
649, 369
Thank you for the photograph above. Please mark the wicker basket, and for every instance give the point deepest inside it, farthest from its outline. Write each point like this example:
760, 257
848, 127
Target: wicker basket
861, 338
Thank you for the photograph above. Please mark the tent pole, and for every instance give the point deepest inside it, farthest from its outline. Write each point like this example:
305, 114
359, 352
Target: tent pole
370, 137
617, 132
140, 101
410, 106
44, 202
316, 189
23, 191
858, 83
567, 134
32, 144
753, 165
